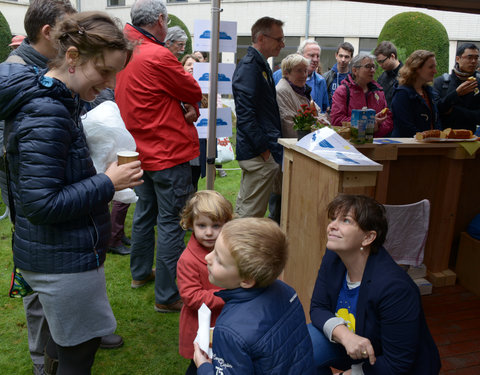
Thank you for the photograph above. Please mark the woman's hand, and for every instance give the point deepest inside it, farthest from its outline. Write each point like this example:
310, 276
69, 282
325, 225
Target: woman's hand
199, 356
357, 347
379, 118
125, 175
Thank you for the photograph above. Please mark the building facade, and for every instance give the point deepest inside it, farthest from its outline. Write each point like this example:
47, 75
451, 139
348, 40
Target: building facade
330, 22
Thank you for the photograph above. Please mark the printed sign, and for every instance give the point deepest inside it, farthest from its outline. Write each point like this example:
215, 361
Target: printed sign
224, 123
227, 38
201, 73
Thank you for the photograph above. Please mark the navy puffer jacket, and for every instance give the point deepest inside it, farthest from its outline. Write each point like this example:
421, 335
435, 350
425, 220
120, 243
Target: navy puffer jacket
62, 223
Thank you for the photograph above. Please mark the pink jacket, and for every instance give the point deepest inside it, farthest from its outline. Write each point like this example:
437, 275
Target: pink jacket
373, 99
195, 289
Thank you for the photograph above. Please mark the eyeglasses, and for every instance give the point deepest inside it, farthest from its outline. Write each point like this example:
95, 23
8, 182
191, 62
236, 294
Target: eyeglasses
279, 40
368, 66
180, 44
470, 57
167, 19
380, 62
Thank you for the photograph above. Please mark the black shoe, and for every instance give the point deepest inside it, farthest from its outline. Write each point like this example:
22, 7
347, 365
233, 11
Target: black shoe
120, 249
51, 365
38, 369
126, 241
112, 341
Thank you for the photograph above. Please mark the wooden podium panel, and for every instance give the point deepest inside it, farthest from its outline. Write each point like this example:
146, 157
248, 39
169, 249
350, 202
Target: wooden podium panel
443, 173
309, 185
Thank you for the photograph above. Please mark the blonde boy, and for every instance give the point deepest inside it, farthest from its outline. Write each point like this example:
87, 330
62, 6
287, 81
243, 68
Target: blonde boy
261, 328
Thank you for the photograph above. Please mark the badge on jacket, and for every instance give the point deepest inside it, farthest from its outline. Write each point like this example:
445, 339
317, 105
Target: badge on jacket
265, 75
377, 97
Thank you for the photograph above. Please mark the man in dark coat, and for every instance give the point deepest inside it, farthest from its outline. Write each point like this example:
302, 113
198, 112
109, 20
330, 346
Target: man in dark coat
386, 55
458, 96
258, 119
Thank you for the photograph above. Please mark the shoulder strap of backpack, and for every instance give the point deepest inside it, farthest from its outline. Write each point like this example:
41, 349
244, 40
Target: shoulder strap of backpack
348, 94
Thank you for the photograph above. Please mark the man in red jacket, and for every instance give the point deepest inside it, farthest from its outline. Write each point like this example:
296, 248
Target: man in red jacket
157, 101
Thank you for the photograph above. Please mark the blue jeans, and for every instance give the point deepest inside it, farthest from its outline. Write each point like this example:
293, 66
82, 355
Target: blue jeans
161, 198
326, 353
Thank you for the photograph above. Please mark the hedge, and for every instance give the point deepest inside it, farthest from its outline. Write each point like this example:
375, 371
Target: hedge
5, 38
410, 31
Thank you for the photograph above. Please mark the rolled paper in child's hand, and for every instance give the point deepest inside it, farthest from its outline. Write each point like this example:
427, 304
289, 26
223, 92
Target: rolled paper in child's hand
203, 333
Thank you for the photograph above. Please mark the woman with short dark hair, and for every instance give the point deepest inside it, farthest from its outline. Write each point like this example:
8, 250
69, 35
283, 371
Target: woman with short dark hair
366, 312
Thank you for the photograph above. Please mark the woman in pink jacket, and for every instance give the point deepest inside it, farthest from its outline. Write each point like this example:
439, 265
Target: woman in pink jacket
359, 90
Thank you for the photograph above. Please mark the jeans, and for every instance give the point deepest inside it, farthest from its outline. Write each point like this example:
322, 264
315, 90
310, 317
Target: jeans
161, 198
326, 353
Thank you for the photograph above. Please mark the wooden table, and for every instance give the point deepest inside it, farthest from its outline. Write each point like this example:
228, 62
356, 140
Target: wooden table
444, 173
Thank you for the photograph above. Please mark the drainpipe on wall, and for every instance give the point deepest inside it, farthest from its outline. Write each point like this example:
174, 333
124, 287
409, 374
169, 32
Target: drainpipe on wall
79, 5
307, 21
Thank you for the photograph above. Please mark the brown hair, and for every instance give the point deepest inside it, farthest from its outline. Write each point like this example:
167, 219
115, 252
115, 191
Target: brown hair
408, 73
386, 49
209, 203
44, 12
91, 33
367, 212
263, 26
259, 247
189, 56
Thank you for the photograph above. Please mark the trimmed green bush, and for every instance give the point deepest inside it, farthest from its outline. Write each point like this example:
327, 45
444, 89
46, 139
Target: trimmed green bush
410, 31
5, 38
175, 21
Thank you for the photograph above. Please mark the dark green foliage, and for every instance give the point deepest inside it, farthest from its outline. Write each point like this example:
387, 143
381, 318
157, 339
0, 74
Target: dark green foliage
410, 31
5, 38
175, 21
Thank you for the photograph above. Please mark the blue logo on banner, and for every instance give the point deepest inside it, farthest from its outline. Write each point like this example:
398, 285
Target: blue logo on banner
325, 144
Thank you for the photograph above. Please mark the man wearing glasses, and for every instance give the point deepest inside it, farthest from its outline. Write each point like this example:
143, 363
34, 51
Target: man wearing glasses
258, 120
459, 98
387, 59
176, 40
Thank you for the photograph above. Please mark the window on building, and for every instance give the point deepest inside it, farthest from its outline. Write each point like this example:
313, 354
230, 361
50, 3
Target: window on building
329, 47
367, 44
115, 3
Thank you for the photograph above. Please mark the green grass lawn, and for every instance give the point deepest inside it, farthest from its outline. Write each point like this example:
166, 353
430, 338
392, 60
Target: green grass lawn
151, 338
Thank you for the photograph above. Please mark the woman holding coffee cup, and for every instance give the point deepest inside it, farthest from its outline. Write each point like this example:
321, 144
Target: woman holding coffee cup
60, 202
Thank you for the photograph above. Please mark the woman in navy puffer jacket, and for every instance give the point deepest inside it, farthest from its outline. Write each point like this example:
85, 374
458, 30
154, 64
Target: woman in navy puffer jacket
62, 223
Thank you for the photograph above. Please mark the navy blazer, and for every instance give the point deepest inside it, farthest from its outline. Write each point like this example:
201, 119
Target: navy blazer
410, 112
258, 116
389, 314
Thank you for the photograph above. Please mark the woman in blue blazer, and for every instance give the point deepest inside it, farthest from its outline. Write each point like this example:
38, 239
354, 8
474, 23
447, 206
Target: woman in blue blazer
413, 104
366, 312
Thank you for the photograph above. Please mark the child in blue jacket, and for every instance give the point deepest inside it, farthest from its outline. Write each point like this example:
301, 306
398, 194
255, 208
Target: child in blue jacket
261, 329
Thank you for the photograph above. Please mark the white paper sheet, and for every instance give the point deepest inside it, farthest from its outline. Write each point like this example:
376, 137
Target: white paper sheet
203, 333
328, 144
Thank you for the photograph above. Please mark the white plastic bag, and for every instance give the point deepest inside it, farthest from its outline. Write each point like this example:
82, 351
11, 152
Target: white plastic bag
106, 135
224, 151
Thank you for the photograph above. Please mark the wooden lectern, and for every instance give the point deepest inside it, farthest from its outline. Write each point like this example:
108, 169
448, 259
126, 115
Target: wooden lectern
310, 183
